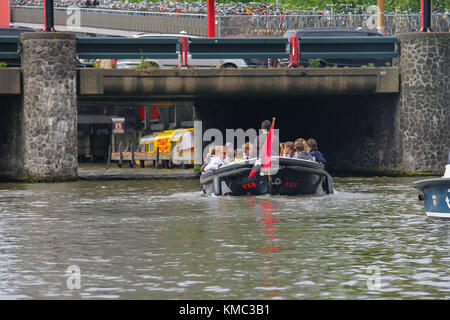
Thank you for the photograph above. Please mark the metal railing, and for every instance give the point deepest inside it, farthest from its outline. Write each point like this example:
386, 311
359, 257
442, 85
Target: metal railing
233, 48
348, 48
126, 48
152, 22
222, 48
226, 26
257, 26
9, 47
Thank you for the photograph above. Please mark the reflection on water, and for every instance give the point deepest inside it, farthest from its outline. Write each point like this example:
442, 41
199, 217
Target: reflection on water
166, 240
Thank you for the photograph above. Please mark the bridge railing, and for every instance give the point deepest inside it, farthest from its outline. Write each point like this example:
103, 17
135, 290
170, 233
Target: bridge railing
277, 25
227, 26
9, 47
127, 48
234, 48
348, 48
222, 48
153, 22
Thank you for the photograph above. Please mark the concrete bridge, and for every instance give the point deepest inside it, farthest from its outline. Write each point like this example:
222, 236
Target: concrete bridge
376, 120
210, 85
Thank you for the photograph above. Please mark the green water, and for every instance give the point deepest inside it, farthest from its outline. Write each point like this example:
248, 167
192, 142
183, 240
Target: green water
165, 240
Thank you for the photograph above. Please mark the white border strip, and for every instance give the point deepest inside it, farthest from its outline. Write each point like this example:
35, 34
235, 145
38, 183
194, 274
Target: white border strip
438, 214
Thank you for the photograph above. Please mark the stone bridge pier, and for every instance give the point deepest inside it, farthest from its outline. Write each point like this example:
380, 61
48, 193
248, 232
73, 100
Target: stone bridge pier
41, 137
423, 111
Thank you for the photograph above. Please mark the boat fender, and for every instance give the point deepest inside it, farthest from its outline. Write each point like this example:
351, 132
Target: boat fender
447, 171
217, 186
329, 184
421, 197
447, 168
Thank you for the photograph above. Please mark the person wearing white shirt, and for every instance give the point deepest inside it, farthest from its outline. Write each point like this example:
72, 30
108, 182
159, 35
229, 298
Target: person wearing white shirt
230, 154
216, 160
248, 149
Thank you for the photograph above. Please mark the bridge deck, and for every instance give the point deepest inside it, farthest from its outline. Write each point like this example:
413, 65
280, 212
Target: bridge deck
205, 84
159, 85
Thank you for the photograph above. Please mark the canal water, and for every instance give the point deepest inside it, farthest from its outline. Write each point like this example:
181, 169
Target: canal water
164, 239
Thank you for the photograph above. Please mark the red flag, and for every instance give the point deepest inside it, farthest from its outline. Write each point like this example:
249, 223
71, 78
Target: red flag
255, 169
267, 149
267, 152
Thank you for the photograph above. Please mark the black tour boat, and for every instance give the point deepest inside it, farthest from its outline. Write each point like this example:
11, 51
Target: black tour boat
293, 177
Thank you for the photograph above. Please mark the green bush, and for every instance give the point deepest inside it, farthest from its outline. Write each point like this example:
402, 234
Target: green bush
314, 63
3, 64
146, 64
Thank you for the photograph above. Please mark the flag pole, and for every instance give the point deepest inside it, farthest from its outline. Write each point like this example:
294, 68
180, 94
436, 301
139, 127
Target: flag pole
271, 127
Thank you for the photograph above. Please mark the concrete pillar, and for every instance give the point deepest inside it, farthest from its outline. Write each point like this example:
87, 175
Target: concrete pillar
49, 125
424, 104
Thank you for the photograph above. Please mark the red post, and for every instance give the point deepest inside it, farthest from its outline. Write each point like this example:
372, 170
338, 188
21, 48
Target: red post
4, 13
184, 51
294, 56
211, 19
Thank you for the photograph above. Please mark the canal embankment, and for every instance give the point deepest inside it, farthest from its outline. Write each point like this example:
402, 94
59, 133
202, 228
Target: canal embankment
102, 172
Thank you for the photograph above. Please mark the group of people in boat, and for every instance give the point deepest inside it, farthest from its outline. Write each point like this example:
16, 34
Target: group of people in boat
302, 149
224, 155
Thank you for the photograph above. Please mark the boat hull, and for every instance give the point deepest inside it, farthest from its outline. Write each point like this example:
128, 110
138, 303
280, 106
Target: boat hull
294, 177
436, 194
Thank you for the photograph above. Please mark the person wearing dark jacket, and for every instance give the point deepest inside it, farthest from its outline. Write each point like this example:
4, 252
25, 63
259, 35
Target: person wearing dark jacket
289, 149
300, 152
311, 147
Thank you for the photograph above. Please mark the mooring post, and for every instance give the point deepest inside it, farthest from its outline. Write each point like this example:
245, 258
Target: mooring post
109, 156
157, 158
132, 155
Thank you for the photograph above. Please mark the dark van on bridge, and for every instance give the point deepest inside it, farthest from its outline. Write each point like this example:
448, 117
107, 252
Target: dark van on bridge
337, 32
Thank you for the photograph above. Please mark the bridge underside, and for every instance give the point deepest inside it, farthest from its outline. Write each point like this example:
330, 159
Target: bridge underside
171, 86
357, 133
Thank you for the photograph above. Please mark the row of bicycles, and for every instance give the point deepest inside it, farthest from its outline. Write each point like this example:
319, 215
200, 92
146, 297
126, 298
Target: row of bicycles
255, 19
222, 9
